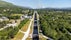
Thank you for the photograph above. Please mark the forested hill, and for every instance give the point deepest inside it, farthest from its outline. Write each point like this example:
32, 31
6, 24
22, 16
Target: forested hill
4, 4
6, 7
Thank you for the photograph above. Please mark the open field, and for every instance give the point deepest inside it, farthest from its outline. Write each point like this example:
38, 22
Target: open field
25, 27
18, 36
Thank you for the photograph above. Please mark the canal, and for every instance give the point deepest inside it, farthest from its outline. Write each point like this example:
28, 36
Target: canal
35, 28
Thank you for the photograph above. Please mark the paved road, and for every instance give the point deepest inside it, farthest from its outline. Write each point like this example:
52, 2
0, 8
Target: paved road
35, 27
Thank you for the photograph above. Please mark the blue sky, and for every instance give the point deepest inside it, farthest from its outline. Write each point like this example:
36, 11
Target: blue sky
42, 3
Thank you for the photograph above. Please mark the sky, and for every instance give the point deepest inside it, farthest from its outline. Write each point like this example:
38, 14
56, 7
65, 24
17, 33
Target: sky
42, 3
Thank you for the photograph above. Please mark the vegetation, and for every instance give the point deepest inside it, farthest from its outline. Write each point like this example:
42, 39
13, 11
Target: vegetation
22, 23
2, 24
14, 17
8, 10
10, 32
56, 24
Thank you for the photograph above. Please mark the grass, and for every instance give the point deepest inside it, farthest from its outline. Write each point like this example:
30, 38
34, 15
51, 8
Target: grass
25, 27
41, 37
31, 30
18, 36
29, 39
16, 14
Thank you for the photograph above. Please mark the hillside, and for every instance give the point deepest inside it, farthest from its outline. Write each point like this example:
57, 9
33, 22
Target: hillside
4, 4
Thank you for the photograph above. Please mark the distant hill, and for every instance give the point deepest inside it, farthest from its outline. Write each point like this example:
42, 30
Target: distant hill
57, 9
10, 5
5, 4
